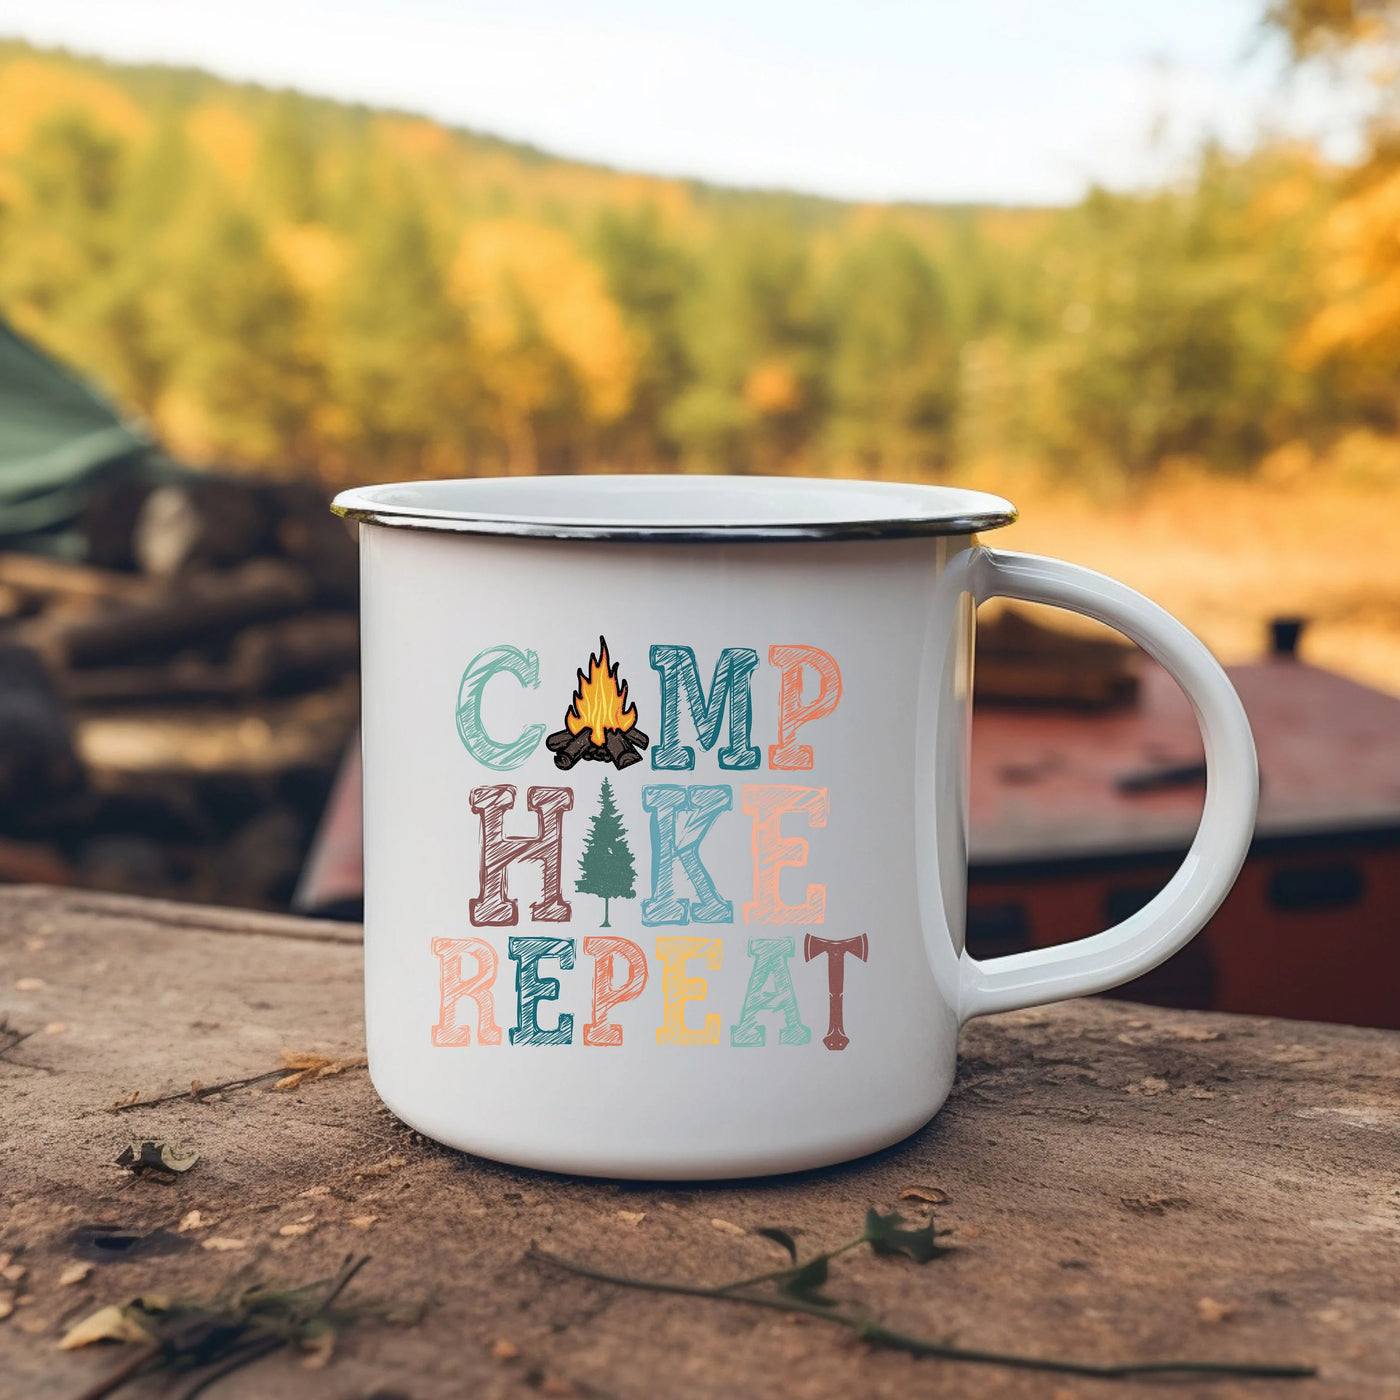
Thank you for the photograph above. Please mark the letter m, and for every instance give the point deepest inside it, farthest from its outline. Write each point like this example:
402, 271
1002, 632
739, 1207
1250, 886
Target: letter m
498, 851
730, 686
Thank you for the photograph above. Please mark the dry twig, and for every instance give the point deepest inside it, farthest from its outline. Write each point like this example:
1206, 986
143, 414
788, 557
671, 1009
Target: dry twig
798, 1290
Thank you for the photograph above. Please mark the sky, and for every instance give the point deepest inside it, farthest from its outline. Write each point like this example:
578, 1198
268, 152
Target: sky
1005, 101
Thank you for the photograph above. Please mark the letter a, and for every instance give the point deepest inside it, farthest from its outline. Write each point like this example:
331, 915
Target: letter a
770, 989
494, 906
452, 987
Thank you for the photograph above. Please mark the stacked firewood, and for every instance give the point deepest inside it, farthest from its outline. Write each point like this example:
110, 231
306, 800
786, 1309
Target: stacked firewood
173, 705
620, 747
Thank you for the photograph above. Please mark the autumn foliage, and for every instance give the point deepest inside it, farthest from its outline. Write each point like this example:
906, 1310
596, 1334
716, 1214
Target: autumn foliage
293, 285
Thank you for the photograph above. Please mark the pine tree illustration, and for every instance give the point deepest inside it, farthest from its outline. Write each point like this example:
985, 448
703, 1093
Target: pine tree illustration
606, 865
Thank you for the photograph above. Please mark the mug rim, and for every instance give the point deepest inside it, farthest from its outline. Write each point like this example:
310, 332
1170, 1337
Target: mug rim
684, 509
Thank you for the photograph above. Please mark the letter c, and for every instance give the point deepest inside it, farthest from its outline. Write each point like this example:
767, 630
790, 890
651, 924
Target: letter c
496, 661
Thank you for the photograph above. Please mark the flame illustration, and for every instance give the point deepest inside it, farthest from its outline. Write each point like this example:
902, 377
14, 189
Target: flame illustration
598, 702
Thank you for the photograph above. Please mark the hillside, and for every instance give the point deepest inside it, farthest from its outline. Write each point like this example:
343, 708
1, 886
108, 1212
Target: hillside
256, 273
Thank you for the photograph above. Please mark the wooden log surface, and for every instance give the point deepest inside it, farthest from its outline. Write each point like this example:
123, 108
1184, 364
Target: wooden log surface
1123, 1182
201, 609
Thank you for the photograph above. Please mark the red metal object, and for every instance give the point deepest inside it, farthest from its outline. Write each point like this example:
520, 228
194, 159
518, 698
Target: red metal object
332, 881
1062, 845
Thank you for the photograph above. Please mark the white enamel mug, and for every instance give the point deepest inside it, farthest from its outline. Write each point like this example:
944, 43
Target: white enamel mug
665, 792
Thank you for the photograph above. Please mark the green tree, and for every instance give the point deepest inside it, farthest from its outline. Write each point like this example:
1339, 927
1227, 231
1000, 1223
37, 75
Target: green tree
606, 865
753, 333
647, 275
891, 368
400, 366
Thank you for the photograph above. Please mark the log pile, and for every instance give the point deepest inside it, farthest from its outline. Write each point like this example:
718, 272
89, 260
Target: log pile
173, 706
620, 747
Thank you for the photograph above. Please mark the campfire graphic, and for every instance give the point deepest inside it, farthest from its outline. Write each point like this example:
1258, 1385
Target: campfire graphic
600, 724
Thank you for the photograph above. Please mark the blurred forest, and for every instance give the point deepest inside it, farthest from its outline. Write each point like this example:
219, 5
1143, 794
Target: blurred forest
291, 284
296, 286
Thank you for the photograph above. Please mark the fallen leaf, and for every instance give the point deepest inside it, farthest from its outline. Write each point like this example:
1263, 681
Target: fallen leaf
1153, 1205
191, 1220
30, 984
1194, 1033
1208, 1310
55, 1028
632, 1217
12, 1273
223, 1243
74, 1273
805, 1284
317, 1349
727, 1227
885, 1234
109, 1324
782, 1239
156, 1157
502, 1349
363, 1222
306, 1064
300, 1227
389, 1164
1149, 1084
931, 1194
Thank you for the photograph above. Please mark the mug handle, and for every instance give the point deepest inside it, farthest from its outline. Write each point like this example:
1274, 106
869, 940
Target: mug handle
1178, 912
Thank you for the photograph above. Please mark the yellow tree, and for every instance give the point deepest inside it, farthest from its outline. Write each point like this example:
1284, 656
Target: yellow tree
1356, 332
552, 341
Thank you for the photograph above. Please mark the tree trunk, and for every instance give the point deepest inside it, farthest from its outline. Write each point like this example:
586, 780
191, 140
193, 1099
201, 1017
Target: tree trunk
606, 924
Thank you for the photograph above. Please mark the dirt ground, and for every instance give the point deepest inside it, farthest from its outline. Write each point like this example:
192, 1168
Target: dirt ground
1226, 555
1122, 1183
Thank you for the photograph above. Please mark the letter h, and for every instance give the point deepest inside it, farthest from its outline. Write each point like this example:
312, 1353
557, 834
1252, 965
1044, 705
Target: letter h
495, 906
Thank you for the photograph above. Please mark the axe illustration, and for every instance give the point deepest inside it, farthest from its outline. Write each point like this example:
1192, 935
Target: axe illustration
836, 950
